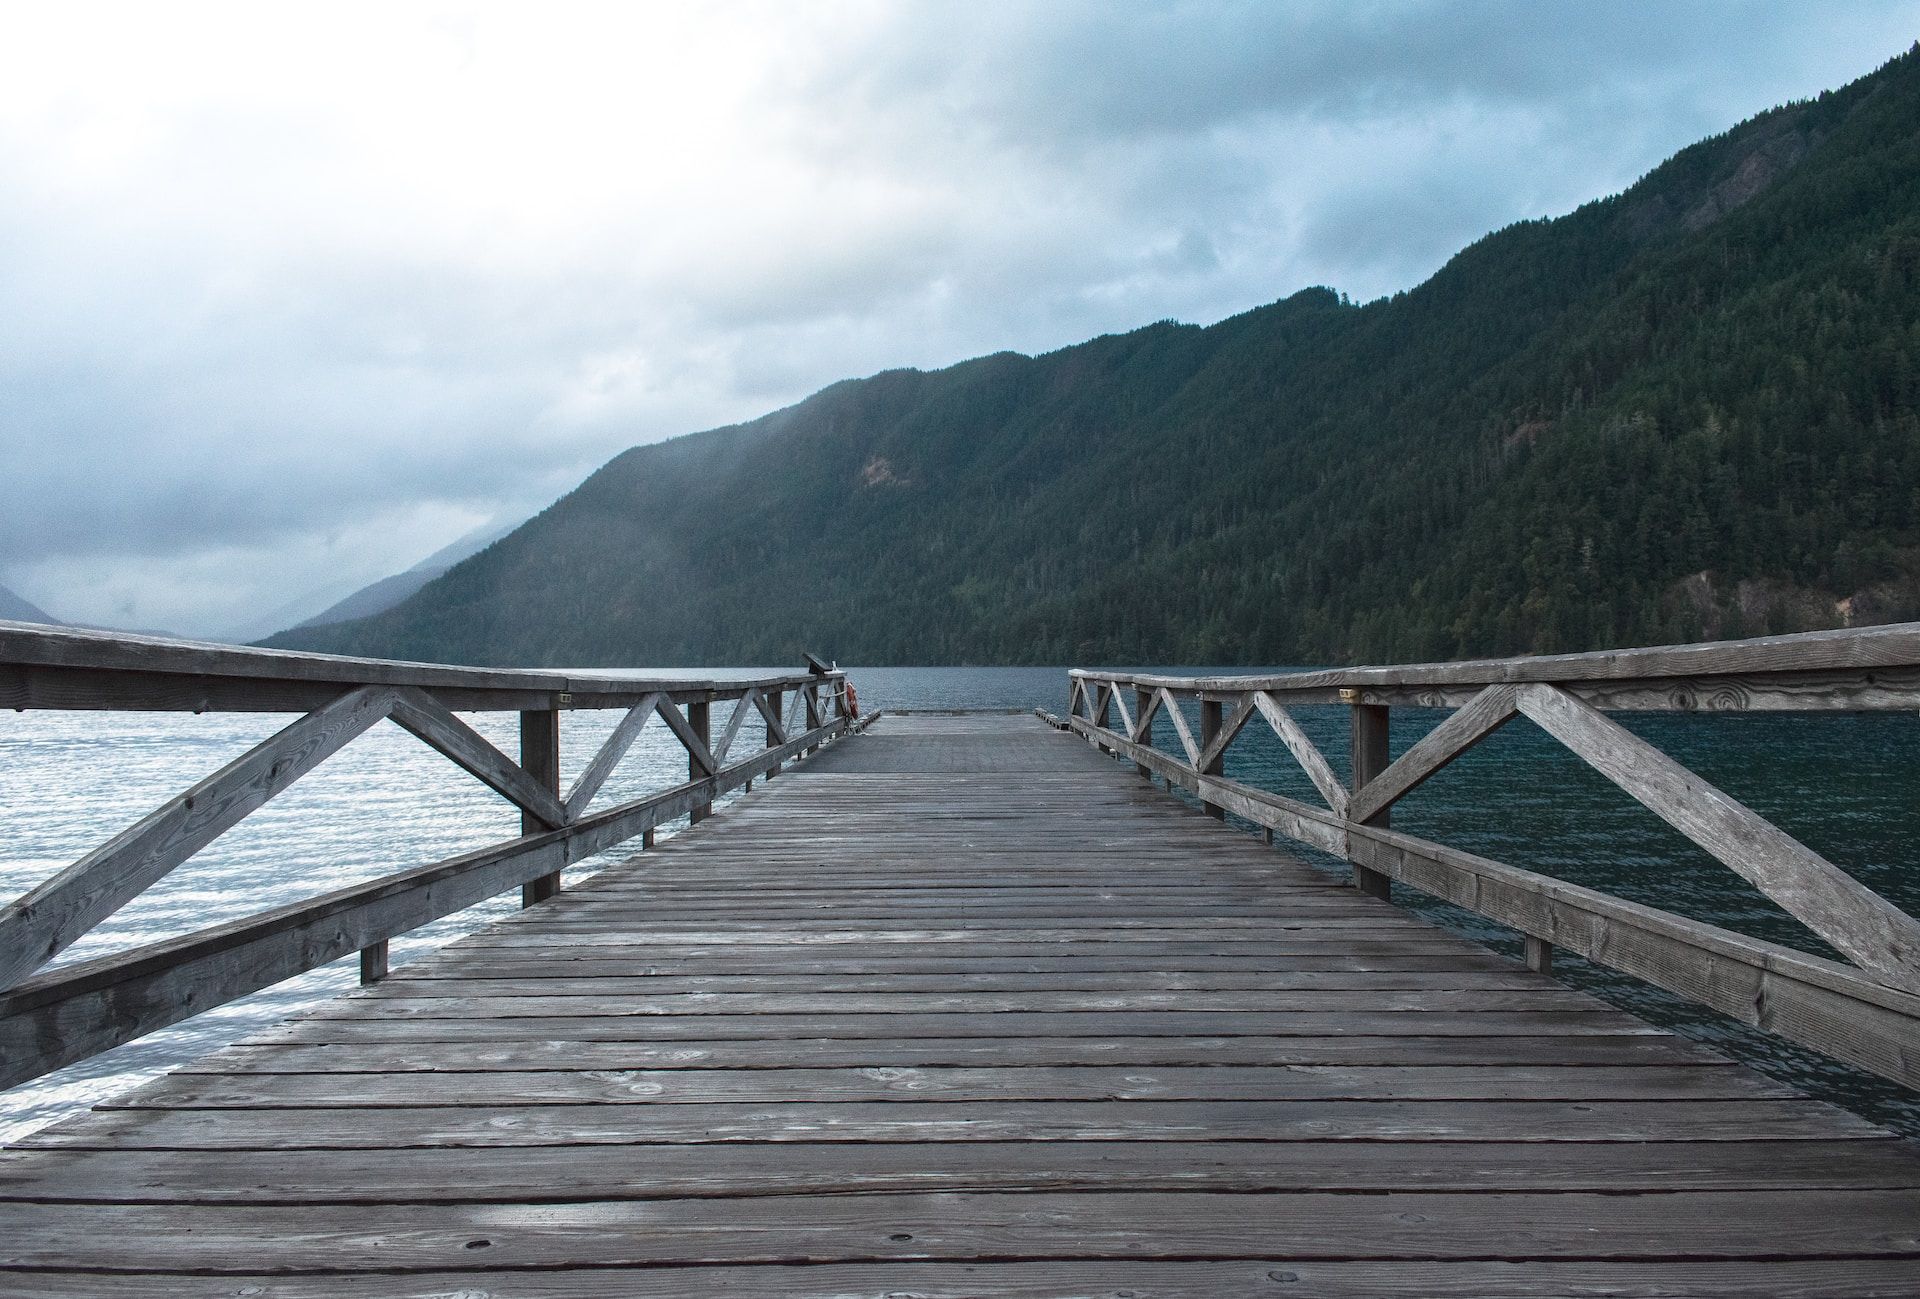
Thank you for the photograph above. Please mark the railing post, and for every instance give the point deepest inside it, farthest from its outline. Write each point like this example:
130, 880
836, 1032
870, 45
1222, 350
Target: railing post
1370, 757
1539, 955
700, 719
373, 962
1142, 700
810, 696
1212, 718
540, 758
777, 699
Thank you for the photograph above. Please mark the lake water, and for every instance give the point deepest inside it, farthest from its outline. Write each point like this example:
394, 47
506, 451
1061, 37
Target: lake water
1847, 785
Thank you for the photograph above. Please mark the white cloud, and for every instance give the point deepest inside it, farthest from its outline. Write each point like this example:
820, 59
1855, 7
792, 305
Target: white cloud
293, 296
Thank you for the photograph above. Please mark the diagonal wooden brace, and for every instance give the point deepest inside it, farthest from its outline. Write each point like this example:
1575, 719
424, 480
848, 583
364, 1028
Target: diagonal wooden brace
1481, 716
1304, 752
1870, 931
46, 920
435, 724
608, 758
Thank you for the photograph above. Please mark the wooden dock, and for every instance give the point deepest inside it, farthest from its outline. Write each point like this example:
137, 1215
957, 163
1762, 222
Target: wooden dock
959, 1007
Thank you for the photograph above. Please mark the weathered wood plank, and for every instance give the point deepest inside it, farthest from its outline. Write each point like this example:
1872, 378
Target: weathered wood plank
461, 1004
1132, 1082
1833, 1278
937, 1023
1055, 1024
1651, 1051
77, 668
389, 1127
1853, 649
75, 1011
909, 1226
511, 1174
514, 981
1815, 1002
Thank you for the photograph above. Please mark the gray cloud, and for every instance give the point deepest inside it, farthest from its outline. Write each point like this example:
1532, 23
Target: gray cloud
292, 299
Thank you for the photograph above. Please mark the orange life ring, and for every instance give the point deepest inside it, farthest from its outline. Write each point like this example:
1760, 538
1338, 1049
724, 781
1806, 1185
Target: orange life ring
853, 701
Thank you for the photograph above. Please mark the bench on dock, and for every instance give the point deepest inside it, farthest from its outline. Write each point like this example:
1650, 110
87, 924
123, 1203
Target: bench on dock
961, 1006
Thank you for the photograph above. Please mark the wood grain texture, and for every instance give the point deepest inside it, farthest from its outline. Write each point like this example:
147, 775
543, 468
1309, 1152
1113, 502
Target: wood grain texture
1844, 1278
73, 1012
1855, 650
1818, 1003
961, 1008
77, 668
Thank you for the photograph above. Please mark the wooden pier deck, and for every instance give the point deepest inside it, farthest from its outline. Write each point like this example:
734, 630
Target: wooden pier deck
962, 1007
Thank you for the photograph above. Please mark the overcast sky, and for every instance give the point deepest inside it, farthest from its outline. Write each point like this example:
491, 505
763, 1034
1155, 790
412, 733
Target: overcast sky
292, 295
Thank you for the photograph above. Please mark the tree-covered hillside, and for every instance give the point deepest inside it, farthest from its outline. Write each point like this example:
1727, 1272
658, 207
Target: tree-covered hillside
1689, 410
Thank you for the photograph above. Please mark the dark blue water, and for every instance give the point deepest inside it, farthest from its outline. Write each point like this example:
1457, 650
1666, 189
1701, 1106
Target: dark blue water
1846, 785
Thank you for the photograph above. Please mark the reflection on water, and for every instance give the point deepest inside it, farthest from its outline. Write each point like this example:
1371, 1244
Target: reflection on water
1846, 785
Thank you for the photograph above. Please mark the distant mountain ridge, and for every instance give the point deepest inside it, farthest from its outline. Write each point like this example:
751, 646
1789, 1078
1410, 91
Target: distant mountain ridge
1692, 409
378, 597
17, 608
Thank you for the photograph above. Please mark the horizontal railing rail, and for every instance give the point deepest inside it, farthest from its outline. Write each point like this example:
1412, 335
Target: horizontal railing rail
1865, 1009
53, 1017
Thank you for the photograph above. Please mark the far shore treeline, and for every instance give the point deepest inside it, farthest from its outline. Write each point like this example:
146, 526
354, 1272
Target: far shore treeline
1688, 411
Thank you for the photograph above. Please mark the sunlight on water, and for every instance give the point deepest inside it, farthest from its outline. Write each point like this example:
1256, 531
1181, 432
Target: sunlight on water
1849, 786
384, 803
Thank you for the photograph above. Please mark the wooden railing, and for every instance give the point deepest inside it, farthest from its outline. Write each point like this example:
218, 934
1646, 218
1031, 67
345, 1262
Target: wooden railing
1865, 1010
55, 1017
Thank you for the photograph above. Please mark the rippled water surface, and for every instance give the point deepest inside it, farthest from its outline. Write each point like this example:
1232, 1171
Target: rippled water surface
1849, 786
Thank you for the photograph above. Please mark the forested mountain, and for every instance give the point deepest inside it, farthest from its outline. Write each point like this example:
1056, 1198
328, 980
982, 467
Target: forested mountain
1689, 410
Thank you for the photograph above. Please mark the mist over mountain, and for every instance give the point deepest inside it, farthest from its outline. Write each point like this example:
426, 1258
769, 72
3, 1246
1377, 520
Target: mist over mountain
377, 597
17, 608
1689, 410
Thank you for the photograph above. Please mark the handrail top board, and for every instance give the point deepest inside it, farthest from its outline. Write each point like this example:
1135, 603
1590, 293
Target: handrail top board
1855, 649
31, 646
